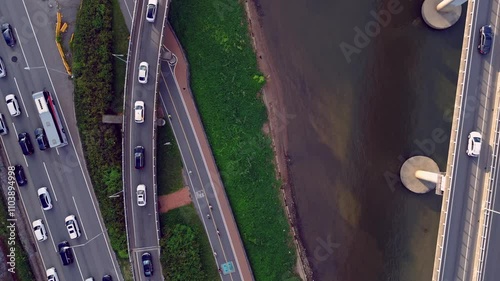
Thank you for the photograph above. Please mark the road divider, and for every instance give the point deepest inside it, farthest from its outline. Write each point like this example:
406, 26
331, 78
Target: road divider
61, 29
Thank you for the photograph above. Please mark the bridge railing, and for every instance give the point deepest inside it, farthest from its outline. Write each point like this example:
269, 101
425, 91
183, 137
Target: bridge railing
453, 150
489, 196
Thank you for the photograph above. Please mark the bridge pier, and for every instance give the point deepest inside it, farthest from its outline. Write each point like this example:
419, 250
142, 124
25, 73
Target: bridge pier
421, 174
441, 14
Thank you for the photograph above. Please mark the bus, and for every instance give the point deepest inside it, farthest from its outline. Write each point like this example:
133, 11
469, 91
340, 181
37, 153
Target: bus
51, 122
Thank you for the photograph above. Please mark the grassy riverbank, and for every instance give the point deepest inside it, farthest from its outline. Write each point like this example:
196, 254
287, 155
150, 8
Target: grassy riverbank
226, 84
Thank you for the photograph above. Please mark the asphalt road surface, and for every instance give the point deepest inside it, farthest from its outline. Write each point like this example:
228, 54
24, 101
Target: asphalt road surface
491, 270
469, 173
33, 65
142, 222
199, 178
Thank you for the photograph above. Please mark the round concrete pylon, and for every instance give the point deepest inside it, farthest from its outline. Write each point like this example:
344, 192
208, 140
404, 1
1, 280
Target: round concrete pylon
437, 19
409, 170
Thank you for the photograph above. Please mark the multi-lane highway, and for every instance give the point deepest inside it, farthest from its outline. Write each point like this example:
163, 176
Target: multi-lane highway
33, 65
469, 175
211, 204
142, 221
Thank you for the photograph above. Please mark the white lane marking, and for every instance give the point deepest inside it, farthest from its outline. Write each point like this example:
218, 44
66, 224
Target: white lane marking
72, 142
15, 130
22, 100
57, 151
128, 9
80, 219
77, 263
48, 230
22, 50
6, 152
50, 181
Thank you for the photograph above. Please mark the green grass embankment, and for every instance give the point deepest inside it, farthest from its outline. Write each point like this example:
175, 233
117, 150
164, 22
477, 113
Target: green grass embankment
169, 162
97, 76
226, 84
186, 252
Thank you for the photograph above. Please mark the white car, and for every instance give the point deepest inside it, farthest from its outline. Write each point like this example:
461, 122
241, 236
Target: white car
39, 229
474, 144
72, 226
45, 200
12, 105
141, 195
139, 111
143, 72
52, 274
151, 10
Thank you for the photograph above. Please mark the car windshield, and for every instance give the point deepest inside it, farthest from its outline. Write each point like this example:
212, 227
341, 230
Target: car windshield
43, 199
477, 139
151, 9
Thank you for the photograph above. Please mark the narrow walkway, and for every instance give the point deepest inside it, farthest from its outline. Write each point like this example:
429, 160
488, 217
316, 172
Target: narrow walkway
174, 200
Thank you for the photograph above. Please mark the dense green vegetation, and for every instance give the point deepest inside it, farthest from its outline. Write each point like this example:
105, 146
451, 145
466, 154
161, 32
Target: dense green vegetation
169, 162
119, 48
23, 267
94, 94
226, 82
186, 252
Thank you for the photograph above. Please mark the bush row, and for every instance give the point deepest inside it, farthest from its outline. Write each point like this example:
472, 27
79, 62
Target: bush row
93, 80
185, 250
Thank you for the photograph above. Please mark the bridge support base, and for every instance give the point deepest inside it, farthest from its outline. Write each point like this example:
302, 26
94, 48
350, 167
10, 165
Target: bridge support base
440, 19
415, 174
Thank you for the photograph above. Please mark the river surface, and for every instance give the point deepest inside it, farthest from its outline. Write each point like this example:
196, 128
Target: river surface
358, 108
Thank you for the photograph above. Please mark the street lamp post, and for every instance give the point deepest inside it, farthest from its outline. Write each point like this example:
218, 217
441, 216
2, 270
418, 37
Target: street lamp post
119, 56
116, 194
493, 211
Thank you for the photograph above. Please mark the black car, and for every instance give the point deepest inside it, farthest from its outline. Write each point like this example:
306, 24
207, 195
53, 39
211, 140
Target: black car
139, 157
107, 278
147, 264
65, 252
8, 35
41, 139
485, 39
25, 143
20, 176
